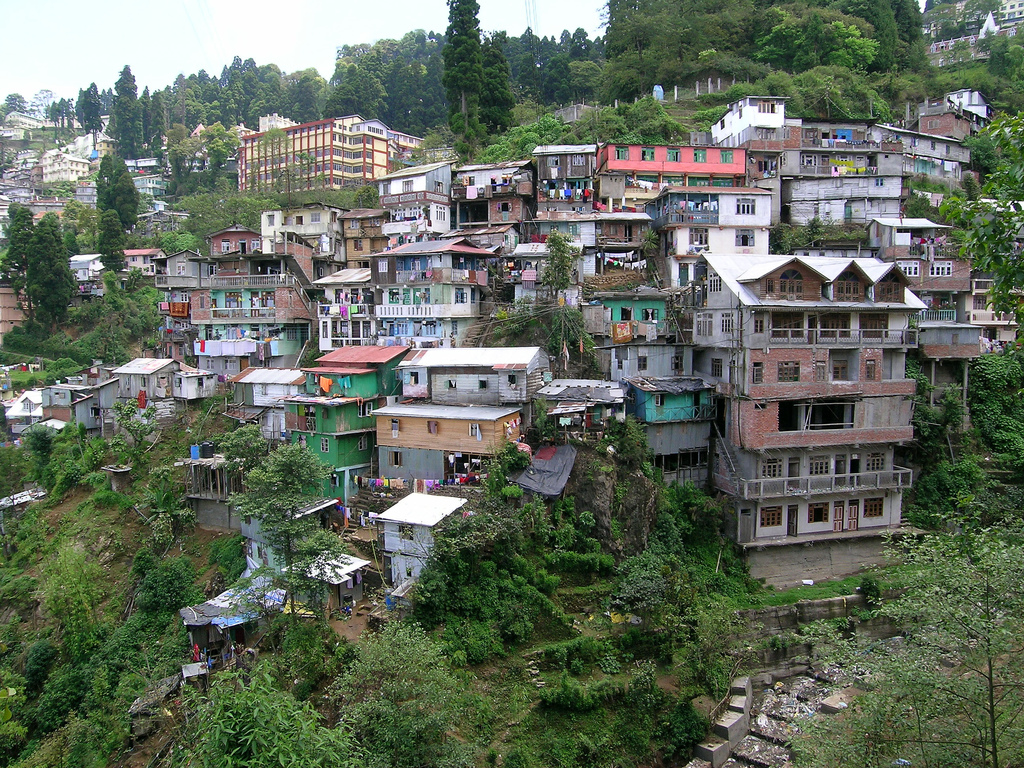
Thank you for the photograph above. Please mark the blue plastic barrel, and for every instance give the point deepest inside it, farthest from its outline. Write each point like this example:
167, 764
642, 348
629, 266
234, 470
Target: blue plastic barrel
195, 451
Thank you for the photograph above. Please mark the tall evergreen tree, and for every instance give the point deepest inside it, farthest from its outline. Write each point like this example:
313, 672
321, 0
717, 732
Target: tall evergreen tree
496, 99
15, 262
88, 109
49, 282
116, 191
464, 73
157, 121
110, 241
126, 116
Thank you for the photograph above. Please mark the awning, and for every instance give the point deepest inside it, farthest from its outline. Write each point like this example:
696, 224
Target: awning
244, 413
234, 606
568, 408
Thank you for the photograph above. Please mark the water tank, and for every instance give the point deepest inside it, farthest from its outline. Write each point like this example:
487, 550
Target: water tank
195, 452
206, 450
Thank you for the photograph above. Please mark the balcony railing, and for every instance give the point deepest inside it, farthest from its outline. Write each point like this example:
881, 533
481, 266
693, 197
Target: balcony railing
176, 281
838, 170
688, 218
988, 317
852, 337
813, 485
252, 281
243, 313
937, 315
351, 310
467, 309
442, 275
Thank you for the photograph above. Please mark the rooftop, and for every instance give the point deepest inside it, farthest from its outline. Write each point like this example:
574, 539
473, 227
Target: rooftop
269, 376
564, 149
344, 277
144, 365
458, 412
480, 357
414, 170
674, 385
905, 223
422, 509
360, 356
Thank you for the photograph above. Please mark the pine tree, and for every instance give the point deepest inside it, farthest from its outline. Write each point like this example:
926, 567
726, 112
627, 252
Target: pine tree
496, 100
126, 116
88, 109
464, 73
49, 282
15, 262
110, 241
116, 191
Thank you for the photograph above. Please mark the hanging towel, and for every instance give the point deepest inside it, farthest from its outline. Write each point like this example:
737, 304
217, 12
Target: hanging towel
325, 384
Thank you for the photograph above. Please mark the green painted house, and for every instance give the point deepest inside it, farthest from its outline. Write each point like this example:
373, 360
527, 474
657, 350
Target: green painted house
333, 417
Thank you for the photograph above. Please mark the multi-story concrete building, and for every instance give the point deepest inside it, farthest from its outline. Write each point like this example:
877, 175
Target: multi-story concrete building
362, 231
493, 194
565, 176
957, 115
143, 259
429, 293
808, 356
635, 333
330, 153
634, 174
937, 158
59, 166
319, 228
828, 169
418, 202
346, 315
695, 220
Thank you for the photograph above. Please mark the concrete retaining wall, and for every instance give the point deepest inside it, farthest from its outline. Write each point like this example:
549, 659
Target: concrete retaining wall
789, 565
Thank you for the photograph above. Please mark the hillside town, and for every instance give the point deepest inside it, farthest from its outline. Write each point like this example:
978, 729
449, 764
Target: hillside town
327, 443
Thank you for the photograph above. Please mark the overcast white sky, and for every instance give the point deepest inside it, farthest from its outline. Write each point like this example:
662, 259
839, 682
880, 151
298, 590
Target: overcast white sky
64, 45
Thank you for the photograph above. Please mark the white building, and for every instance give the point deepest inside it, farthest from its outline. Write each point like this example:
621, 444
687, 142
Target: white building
407, 530
259, 397
418, 202
59, 166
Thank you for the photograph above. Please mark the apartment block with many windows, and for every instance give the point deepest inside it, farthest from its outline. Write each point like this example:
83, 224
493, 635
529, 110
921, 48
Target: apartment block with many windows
808, 357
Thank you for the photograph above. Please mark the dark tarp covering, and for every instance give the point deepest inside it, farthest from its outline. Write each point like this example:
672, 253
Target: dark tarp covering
548, 477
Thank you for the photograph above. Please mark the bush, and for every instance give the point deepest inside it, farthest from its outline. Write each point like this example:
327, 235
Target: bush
64, 691
228, 554
40, 658
573, 696
684, 728
168, 586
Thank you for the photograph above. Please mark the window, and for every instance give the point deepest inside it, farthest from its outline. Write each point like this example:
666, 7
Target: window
432, 427
879, 181
641, 362
771, 517
821, 371
364, 442
870, 370
910, 268
757, 373
941, 269
673, 155
819, 465
817, 512
840, 371
513, 380
325, 445
314, 218
791, 283
981, 301
649, 315
452, 384
366, 409
726, 155
553, 161
622, 153
728, 321
270, 219
659, 400
714, 282
789, 370
759, 324
705, 323
846, 287
873, 507
766, 107
357, 245
474, 430
407, 185
744, 238
746, 206
647, 154
394, 427
353, 224
578, 160
716, 367
395, 458
875, 462
699, 236
482, 384
299, 220
700, 155
382, 265
405, 532
771, 468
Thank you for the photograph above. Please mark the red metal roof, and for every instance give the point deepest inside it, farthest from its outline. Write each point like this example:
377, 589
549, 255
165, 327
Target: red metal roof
360, 356
339, 370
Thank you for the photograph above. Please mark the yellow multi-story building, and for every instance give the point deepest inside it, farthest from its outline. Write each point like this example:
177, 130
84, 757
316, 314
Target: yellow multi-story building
331, 153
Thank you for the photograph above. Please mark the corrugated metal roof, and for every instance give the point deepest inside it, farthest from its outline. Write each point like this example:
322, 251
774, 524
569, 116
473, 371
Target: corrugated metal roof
414, 170
438, 246
345, 371
564, 149
422, 509
344, 276
269, 376
144, 365
493, 166
346, 356
461, 412
492, 357
672, 384
363, 213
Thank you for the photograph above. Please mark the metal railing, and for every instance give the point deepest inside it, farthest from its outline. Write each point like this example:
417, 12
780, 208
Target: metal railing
943, 315
252, 281
176, 281
243, 313
689, 217
841, 336
810, 485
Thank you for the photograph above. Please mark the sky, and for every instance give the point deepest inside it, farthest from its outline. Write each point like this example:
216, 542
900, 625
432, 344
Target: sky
159, 40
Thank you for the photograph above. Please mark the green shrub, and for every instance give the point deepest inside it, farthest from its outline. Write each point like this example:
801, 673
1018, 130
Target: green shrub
63, 692
573, 696
228, 554
684, 727
168, 586
40, 658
